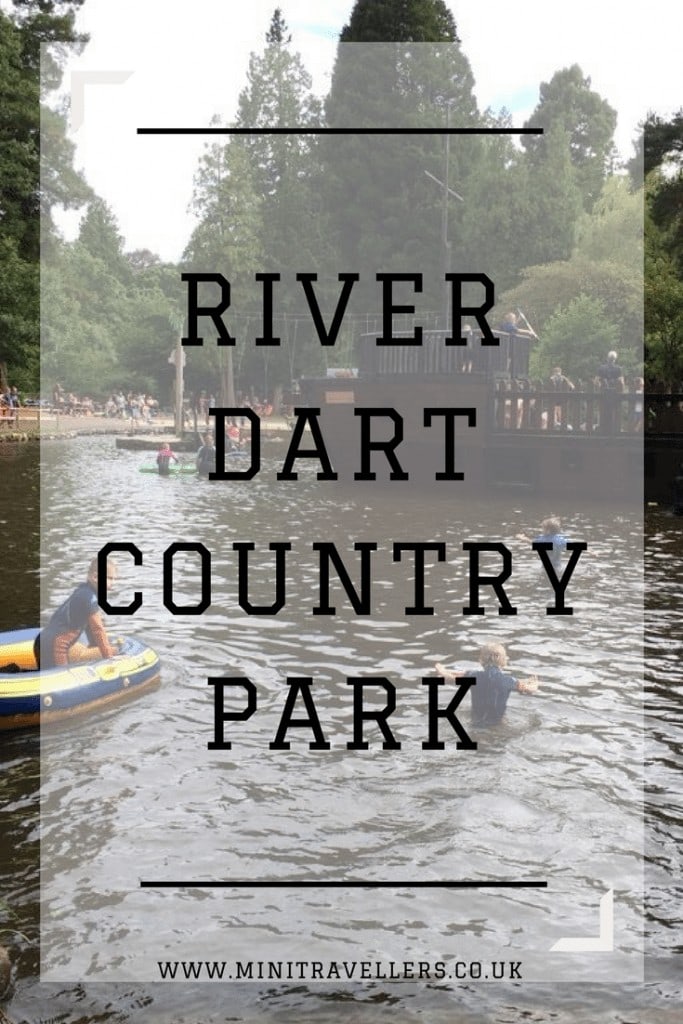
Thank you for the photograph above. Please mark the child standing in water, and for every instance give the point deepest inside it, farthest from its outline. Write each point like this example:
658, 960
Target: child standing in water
164, 456
206, 457
493, 685
551, 533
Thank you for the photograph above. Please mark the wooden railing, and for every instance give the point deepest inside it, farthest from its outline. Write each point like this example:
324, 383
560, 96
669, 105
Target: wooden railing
8, 416
510, 357
14, 417
520, 406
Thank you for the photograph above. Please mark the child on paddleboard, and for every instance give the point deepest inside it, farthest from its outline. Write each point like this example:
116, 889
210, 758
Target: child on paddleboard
164, 456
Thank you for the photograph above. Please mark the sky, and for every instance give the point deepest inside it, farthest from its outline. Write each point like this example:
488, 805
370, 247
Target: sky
151, 62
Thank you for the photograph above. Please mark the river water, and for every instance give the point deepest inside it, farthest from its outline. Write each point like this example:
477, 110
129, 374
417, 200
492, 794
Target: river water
553, 793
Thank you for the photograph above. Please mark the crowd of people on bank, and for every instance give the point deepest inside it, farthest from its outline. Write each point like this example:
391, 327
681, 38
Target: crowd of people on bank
129, 406
134, 406
200, 403
140, 406
10, 403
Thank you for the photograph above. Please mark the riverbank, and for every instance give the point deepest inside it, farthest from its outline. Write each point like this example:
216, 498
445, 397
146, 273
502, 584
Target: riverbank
36, 425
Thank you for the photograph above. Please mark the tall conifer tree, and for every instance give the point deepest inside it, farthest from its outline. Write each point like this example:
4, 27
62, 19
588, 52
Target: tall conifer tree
24, 197
568, 102
399, 65
400, 21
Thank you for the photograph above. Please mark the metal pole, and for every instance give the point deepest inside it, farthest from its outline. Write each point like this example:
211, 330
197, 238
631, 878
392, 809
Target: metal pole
445, 243
179, 359
444, 223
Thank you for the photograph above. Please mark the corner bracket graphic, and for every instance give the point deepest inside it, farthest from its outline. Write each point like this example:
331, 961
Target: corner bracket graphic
604, 943
79, 80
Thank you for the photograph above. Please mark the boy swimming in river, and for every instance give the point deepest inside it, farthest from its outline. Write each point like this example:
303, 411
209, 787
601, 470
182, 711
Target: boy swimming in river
493, 686
551, 533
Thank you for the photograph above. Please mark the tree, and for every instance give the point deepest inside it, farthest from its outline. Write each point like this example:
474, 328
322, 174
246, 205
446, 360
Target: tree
604, 267
576, 337
27, 189
19, 351
614, 228
149, 331
400, 21
142, 259
256, 210
278, 94
662, 151
25, 196
46, 23
660, 142
83, 308
106, 323
99, 234
663, 321
553, 203
660, 154
568, 102
228, 239
383, 212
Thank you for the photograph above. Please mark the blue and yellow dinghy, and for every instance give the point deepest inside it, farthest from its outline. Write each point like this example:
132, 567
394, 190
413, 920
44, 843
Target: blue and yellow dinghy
29, 698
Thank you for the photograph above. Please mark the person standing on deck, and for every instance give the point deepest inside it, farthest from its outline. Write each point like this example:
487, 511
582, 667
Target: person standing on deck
610, 374
611, 379
560, 382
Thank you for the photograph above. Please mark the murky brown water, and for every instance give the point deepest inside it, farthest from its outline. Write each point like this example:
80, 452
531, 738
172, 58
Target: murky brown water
408, 814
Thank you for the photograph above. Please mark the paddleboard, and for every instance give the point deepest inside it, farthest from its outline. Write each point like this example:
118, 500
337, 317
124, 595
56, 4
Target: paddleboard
173, 470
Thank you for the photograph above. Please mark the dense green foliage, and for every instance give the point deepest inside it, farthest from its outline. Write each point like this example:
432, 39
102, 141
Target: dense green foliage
572, 338
601, 278
23, 196
568, 104
383, 212
253, 199
400, 21
110, 320
566, 227
661, 152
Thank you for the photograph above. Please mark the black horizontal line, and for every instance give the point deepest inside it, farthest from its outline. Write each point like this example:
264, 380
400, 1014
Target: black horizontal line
214, 130
313, 883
